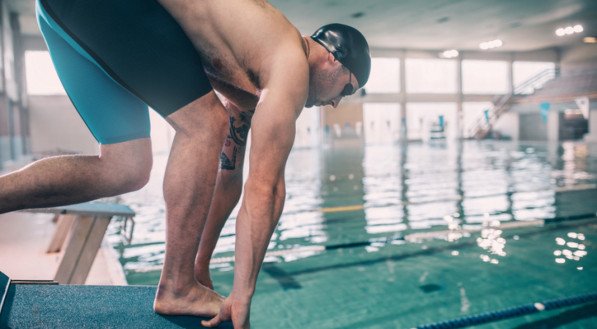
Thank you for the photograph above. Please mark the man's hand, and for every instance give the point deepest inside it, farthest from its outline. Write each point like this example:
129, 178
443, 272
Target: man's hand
232, 309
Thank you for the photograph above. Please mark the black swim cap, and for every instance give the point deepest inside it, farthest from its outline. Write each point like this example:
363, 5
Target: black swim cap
348, 46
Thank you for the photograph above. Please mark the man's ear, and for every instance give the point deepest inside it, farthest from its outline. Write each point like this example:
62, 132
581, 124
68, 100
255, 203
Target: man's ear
331, 59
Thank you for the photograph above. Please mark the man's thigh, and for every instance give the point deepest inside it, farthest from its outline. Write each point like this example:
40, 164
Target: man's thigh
139, 45
112, 113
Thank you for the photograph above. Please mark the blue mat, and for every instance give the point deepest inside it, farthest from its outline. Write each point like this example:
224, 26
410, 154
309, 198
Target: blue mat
4, 284
73, 306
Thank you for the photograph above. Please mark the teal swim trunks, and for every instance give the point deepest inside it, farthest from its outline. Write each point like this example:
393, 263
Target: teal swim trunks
116, 58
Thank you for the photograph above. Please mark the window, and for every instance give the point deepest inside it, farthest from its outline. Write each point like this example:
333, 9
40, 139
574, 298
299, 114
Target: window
471, 113
385, 75
431, 120
382, 123
40, 74
431, 76
484, 77
526, 75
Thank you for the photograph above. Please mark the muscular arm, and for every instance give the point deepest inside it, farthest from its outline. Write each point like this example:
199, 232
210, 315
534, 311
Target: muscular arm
272, 135
273, 131
264, 198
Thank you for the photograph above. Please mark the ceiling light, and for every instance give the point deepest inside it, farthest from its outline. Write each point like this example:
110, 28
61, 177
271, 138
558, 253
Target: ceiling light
569, 30
589, 40
577, 28
449, 53
491, 44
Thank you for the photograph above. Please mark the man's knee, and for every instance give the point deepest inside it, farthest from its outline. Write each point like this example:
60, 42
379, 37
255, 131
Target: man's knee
135, 178
127, 165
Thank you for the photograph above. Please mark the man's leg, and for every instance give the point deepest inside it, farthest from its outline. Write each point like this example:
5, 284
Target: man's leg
227, 192
226, 195
117, 119
120, 168
188, 188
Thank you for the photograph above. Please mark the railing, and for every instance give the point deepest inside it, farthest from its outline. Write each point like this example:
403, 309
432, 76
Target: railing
536, 82
501, 103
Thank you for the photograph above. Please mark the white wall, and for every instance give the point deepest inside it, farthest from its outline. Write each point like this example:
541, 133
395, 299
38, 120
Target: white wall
57, 127
579, 58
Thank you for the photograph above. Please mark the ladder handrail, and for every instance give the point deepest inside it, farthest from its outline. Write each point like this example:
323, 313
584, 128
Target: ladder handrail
500, 103
547, 74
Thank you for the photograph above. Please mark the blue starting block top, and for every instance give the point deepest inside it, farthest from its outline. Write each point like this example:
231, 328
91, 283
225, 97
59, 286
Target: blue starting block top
73, 306
89, 208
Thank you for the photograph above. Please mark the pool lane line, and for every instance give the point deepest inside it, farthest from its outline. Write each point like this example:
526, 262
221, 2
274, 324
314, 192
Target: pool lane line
577, 220
354, 207
512, 312
388, 240
285, 280
428, 251
579, 187
419, 236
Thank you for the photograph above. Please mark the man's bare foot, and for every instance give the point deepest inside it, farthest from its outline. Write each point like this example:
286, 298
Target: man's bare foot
204, 279
195, 299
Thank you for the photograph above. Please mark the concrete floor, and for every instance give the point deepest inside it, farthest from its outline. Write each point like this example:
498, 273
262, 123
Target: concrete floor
24, 238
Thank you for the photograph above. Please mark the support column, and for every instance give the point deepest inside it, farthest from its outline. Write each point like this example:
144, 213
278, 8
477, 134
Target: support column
403, 109
591, 136
4, 132
511, 74
460, 97
21, 113
553, 125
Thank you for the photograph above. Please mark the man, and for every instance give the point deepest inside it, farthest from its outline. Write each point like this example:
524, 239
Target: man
115, 58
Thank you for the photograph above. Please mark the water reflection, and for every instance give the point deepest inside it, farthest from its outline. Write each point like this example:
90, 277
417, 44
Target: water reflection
370, 196
345, 193
492, 241
572, 248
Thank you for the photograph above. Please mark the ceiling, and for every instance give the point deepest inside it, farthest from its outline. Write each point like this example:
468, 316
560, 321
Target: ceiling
522, 25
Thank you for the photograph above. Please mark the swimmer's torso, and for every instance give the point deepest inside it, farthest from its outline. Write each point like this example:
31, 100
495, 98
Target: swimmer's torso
236, 41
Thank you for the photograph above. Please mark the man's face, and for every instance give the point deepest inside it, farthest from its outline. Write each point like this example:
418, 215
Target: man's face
328, 85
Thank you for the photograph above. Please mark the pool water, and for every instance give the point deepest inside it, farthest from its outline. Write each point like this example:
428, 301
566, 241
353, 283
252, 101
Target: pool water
395, 236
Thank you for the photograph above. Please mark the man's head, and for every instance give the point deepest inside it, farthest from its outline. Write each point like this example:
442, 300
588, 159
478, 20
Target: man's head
344, 68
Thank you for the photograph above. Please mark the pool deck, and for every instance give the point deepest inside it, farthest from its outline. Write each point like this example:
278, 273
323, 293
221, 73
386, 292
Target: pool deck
24, 238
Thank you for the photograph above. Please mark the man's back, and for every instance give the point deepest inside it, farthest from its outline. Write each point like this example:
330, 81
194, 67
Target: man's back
238, 42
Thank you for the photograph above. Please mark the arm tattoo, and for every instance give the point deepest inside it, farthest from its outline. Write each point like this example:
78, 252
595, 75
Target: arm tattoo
235, 141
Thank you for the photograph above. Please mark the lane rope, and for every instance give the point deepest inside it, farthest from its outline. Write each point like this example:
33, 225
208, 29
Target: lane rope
512, 312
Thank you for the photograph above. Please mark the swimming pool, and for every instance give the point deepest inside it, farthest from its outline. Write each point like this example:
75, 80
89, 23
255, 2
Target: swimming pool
395, 236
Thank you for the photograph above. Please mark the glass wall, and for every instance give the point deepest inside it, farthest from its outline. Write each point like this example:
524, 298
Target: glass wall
428, 121
382, 123
306, 128
471, 113
484, 77
40, 74
527, 72
385, 75
431, 76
